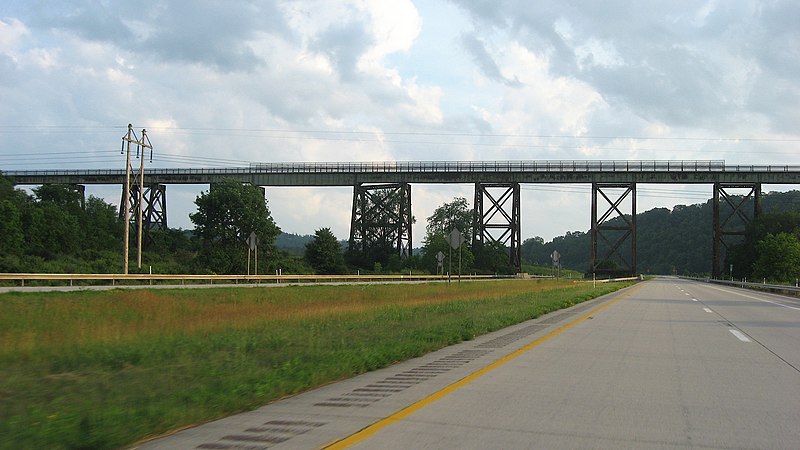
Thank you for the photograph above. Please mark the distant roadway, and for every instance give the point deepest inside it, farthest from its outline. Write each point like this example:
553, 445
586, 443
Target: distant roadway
668, 363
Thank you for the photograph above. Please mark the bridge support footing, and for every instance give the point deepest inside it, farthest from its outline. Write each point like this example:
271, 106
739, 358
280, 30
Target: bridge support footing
497, 217
613, 232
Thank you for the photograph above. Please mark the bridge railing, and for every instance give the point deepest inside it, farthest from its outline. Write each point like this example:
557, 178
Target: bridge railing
435, 167
489, 166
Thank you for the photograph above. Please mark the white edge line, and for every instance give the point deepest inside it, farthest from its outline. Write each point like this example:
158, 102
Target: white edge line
754, 298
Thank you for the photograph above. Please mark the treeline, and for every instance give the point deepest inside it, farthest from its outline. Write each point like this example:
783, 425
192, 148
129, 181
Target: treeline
55, 231
679, 241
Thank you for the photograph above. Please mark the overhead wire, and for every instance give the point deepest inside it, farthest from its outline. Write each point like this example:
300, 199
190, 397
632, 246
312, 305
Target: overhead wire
357, 136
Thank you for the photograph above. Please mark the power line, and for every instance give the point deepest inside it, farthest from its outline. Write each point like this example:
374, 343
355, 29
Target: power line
464, 134
69, 128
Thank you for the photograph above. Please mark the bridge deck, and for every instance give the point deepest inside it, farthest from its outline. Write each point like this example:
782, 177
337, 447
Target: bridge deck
352, 173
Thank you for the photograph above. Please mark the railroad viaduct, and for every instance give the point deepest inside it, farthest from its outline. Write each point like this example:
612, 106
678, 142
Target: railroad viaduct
497, 195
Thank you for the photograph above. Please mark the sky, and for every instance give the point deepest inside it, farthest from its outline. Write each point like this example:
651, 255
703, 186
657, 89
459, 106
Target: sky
229, 83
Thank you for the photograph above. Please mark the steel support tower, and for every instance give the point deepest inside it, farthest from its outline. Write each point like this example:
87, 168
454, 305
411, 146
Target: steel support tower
731, 220
614, 229
381, 217
154, 209
79, 189
498, 219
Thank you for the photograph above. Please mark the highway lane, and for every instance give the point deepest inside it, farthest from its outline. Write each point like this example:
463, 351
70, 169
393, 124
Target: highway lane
672, 364
658, 369
771, 320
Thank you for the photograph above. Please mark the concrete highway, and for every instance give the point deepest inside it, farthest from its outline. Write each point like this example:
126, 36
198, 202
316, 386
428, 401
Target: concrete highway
668, 363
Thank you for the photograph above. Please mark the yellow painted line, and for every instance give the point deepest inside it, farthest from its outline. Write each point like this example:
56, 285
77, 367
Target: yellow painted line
408, 410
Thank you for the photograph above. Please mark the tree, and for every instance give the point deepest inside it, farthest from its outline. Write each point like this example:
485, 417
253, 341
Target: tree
63, 196
225, 217
324, 253
531, 249
492, 257
11, 236
456, 214
102, 227
445, 218
778, 257
52, 225
436, 243
745, 256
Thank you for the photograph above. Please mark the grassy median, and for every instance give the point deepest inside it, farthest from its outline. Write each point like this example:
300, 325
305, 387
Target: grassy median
105, 369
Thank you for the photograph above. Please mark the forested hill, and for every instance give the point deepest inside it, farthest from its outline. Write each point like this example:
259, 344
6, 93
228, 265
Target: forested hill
676, 241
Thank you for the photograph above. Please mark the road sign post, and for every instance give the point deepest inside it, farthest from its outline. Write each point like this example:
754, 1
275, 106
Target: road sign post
252, 245
556, 257
440, 265
455, 239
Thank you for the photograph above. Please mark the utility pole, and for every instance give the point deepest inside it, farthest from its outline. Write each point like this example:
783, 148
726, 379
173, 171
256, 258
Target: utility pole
145, 143
131, 138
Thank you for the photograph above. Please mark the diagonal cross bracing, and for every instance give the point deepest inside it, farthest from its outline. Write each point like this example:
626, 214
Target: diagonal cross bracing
500, 222
736, 220
154, 209
381, 216
615, 229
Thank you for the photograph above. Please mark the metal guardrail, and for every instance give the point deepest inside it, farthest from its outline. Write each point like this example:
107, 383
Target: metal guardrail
438, 167
120, 279
795, 290
762, 286
164, 280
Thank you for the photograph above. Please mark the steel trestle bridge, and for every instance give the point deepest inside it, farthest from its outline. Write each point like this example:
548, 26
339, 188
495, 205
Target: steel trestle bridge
497, 194
350, 173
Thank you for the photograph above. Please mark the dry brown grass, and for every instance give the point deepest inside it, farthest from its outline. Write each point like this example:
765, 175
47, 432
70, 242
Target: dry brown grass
54, 319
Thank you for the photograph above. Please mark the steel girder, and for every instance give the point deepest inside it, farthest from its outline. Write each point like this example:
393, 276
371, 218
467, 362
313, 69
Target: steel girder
613, 233
735, 220
500, 222
381, 215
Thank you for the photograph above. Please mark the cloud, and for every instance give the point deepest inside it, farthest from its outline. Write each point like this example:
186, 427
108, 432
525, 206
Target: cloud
12, 31
343, 45
669, 62
200, 32
485, 62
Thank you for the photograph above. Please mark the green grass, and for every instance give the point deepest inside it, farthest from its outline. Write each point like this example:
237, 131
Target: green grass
105, 369
547, 271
